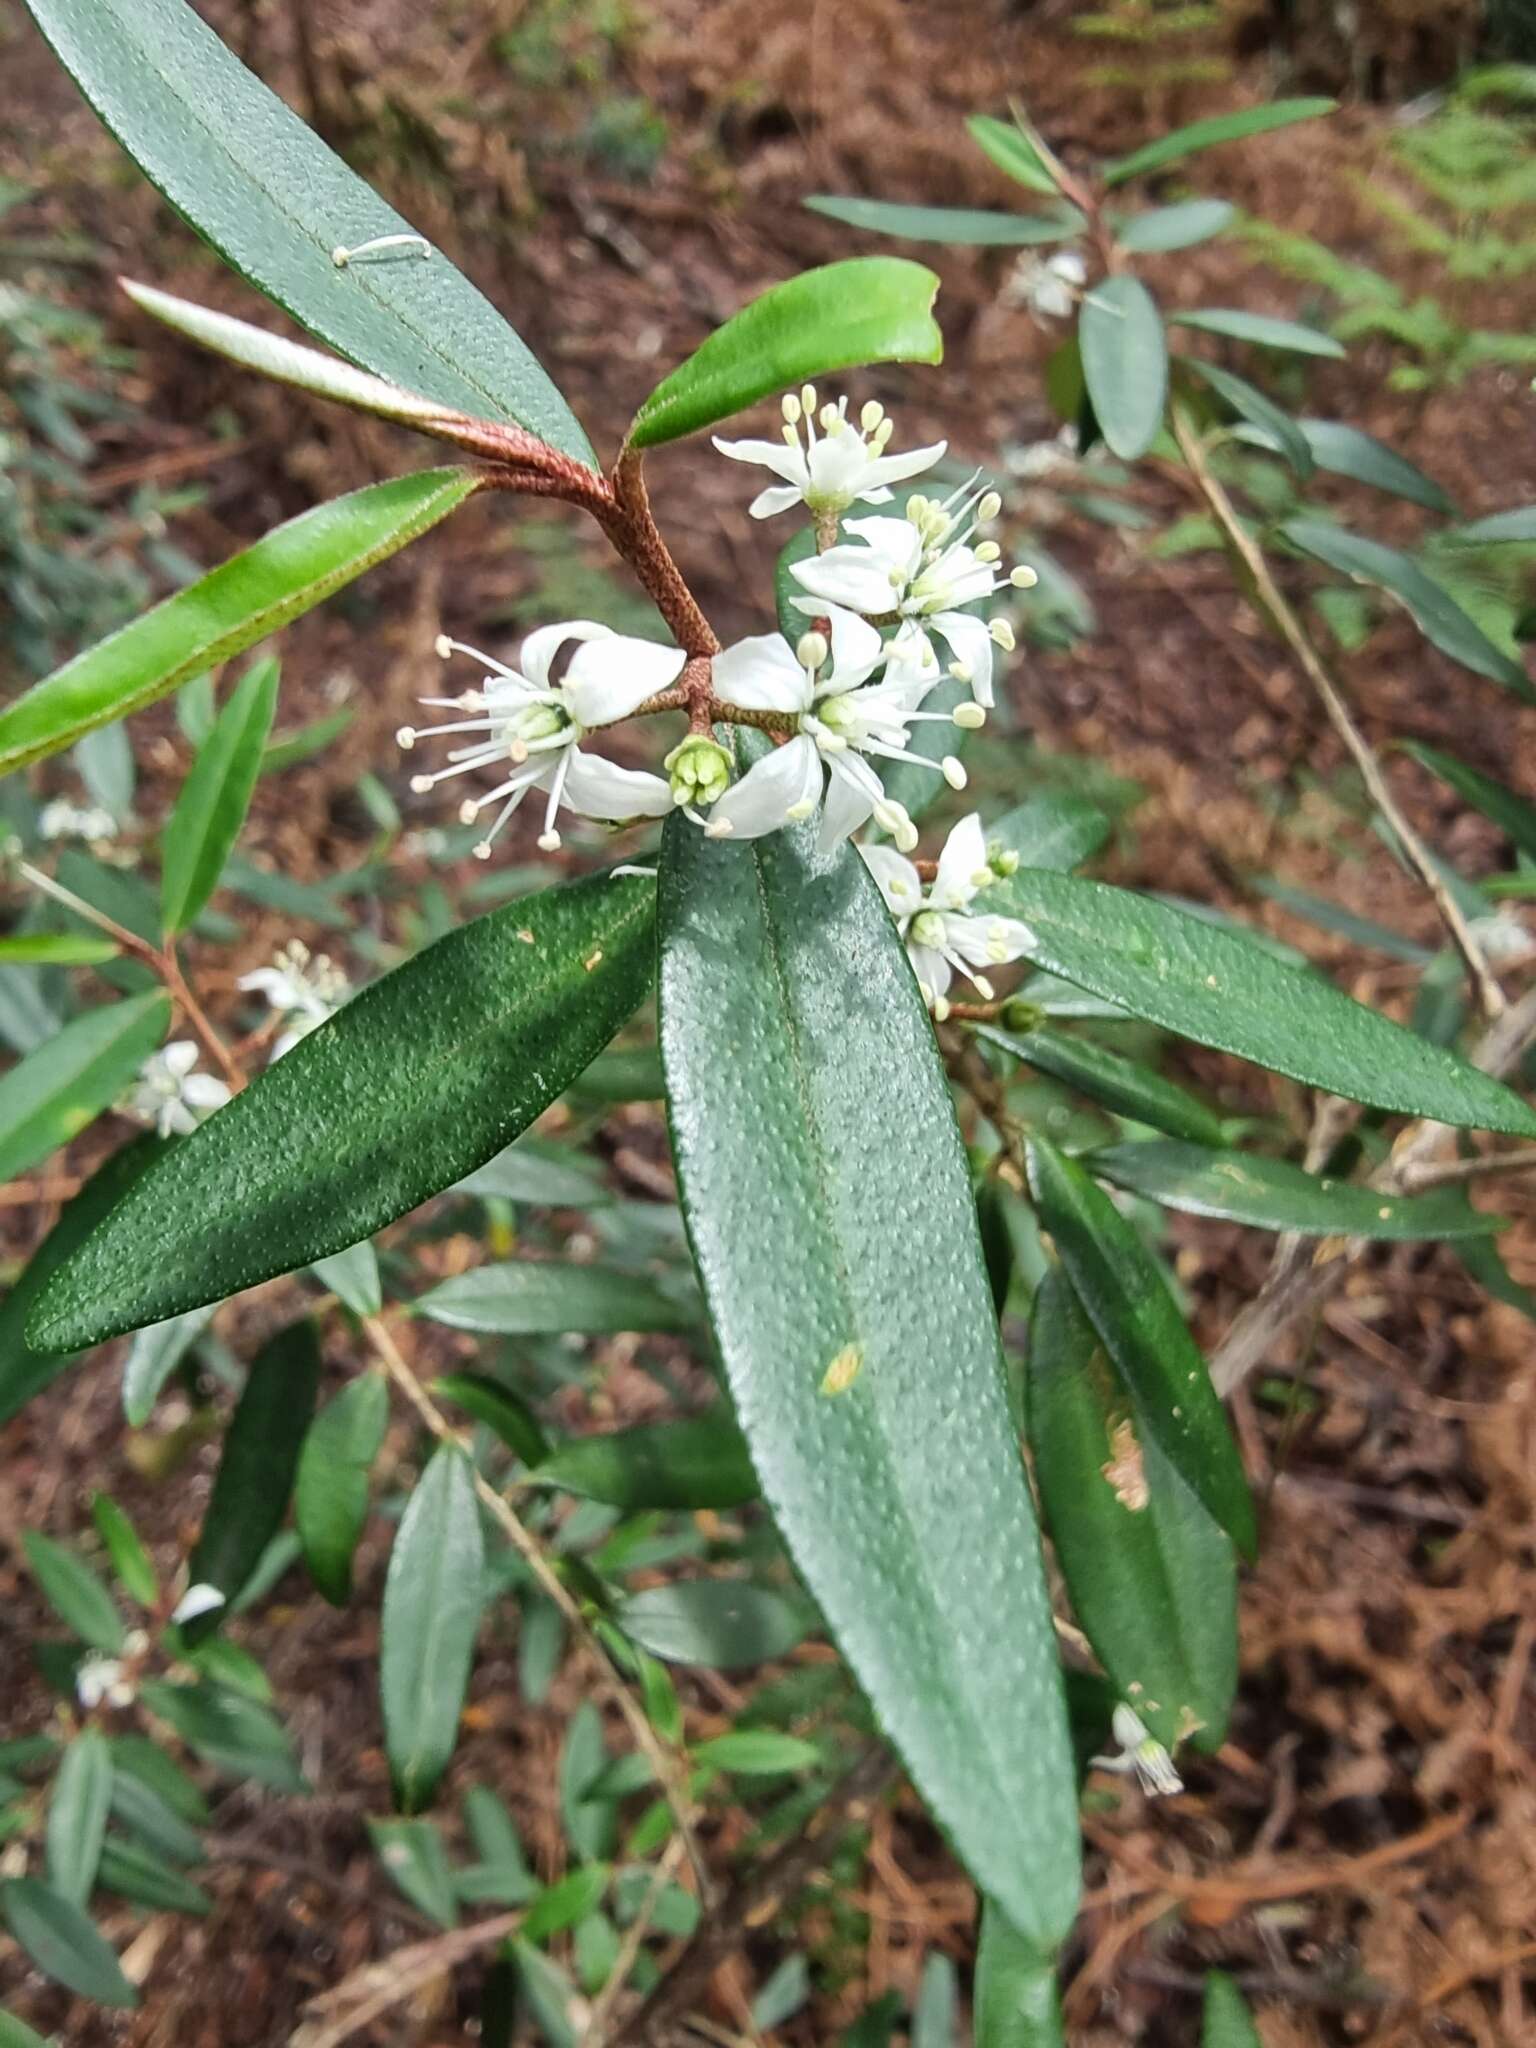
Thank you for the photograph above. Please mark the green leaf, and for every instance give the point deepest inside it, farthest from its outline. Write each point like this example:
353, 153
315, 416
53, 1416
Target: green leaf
757, 1753
958, 226
1015, 1999
531, 1297
1125, 363
1346, 451
130, 1560
276, 202
1128, 1302
427, 1629
50, 1096
1250, 404
502, 1876
1120, 1084
330, 1495
698, 1463
255, 1475
1175, 227
1271, 1194
1226, 2022
590, 1822
1199, 135
215, 797
1514, 815
548, 1992
933, 2010
1497, 529
413, 1853
549, 1175
353, 1277
421, 1077
153, 1356
148, 1815
1222, 989
560, 1906
1437, 615
873, 309
137, 1874
828, 1130
25, 1371
15, 2033
63, 1943
1261, 328
74, 1592
1054, 830
294, 568
57, 949
722, 1624
499, 1409
235, 1735
1152, 1578
287, 749
1012, 151
140, 1762
77, 1816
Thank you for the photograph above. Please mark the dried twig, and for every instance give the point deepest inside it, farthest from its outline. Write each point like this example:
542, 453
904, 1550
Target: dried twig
634, 1936
364, 1993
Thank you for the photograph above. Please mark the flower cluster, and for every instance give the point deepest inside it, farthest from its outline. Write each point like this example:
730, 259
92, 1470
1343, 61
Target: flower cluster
303, 989
943, 936
169, 1095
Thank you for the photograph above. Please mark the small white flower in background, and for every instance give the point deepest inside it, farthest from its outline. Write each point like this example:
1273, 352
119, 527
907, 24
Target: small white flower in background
1502, 937
197, 1600
841, 728
63, 820
524, 719
1036, 460
304, 990
848, 465
100, 1678
169, 1095
1049, 286
922, 570
942, 937
1141, 1753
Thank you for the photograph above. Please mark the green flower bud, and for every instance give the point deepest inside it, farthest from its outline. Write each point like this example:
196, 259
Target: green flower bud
1002, 860
700, 770
1021, 1016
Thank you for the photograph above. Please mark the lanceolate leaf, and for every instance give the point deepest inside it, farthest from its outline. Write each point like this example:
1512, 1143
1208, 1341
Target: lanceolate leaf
1152, 1577
722, 1624
293, 569
420, 1078
276, 204
1271, 1194
1227, 2022
214, 798
1498, 529
538, 1295
1175, 227
956, 225
1055, 830
1223, 990
55, 1092
1016, 2002
1261, 328
1278, 427
873, 309
1120, 1084
1346, 451
255, 1476
1437, 614
63, 1943
153, 1356
330, 1498
74, 1592
700, 1463
499, 1409
1128, 1303
1199, 135
811, 1120
1012, 151
1125, 363
77, 1815
1514, 815
432, 1600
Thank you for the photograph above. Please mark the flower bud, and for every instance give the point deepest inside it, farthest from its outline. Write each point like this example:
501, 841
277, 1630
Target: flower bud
811, 649
1021, 1016
1003, 861
700, 770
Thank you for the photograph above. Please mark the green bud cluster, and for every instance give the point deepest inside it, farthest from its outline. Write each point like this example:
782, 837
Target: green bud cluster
700, 770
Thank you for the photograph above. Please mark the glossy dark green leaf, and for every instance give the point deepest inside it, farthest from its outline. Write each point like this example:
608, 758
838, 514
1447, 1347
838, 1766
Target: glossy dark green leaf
1175, 227
959, 226
421, 1077
534, 1296
215, 797
1012, 151
292, 569
1120, 1084
130, 1560
1127, 1301
1152, 1578
809, 1110
255, 1475
1261, 328
235, 1735
431, 1614
74, 1592
1514, 815
1222, 989
872, 309
1226, 2022
1272, 1194
77, 1815
624, 1074
50, 1096
23, 1370
699, 1463
416, 1857
138, 1874
1125, 363
63, 1943
1016, 2003
1498, 529
1344, 450
1436, 613
1250, 404
1182, 142
499, 1409
723, 1624
276, 203
330, 1493
1055, 830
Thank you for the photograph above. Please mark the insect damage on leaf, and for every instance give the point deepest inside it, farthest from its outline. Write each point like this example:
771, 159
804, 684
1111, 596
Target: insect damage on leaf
1124, 1469
844, 1370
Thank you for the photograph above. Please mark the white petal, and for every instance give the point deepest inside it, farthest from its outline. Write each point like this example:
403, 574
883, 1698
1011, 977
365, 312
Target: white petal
204, 1091
762, 674
540, 648
911, 662
179, 1057
197, 1600
608, 678
972, 646
987, 941
931, 968
963, 859
853, 790
771, 788
778, 456
856, 577
602, 789
896, 541
777, 498
895, 469
857, 649
900, 883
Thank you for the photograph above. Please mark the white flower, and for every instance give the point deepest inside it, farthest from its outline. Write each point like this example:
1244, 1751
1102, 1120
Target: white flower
169, 1095
199, 1599
536, 725
304, 990
839, 727
942, 937
99, 1677
1049, 286
1141, 1753
921, 570
847, 466
63, 820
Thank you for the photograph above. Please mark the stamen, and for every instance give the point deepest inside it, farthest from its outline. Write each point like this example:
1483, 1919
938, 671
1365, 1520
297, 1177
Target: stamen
802, 810
445, 647
954, 772
342, 256
987, 992
1002, 635
789, 405
1023, 577
940, 1010
988, 551
872, 414
989, 507
405, 738
969, 717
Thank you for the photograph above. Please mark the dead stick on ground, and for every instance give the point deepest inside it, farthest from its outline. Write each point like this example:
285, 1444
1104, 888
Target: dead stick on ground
1270, 601
602, 2006
378, 1986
